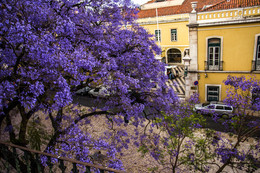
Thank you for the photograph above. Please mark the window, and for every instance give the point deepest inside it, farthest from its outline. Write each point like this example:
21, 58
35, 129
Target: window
173, 34
174, 56
255, 96
158, 35
213, 60
228, 108
220, 107
213, 93
257, 58
211, 106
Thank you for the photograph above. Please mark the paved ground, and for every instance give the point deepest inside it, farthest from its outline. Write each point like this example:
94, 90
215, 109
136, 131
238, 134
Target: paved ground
132, 159
210, 123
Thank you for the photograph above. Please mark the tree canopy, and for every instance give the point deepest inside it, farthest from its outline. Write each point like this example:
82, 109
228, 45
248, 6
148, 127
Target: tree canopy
51, 48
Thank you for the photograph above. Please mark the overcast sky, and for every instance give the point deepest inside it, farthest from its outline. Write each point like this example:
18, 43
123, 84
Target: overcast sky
140, 2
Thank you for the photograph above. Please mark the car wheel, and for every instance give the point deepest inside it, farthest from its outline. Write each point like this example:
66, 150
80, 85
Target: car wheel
225, 116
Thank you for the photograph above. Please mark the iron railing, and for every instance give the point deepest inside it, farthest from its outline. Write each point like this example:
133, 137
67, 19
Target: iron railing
22, 159
218, 67
255, 65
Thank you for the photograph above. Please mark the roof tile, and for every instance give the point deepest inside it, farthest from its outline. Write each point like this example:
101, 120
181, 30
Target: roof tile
233, 4
186, 7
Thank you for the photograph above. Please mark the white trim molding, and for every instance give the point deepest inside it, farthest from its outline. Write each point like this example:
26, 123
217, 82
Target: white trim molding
256, 67
171, 35
255, 46
221, 47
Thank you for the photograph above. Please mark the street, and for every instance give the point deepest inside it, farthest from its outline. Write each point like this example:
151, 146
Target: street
210, 123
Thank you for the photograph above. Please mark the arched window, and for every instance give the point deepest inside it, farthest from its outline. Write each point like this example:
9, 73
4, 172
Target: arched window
174, 56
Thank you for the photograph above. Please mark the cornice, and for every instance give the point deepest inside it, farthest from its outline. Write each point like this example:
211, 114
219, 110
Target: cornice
164, 21
230, 22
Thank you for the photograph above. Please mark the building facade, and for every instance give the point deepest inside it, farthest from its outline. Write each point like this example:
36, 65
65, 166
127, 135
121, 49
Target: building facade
168, 26
227, 40
220, 38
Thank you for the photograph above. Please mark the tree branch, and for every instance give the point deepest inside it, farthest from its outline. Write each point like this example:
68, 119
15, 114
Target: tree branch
23, 126
58, 133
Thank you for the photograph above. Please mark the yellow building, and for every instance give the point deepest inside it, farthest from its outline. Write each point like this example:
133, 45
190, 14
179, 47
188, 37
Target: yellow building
228, 43
222, 38
168, 23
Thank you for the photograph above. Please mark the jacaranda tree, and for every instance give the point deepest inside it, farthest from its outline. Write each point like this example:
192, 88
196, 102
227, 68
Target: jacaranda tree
51, 48
182, 145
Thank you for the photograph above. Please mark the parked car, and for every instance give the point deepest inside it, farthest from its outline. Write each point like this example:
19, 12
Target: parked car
210, 108
83, 91
99, 92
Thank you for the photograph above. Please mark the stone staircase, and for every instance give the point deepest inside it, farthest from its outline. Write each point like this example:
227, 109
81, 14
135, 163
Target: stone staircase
178, 83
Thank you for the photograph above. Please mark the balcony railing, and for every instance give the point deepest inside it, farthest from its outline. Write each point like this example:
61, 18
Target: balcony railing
23, 160
256, 65
218, 67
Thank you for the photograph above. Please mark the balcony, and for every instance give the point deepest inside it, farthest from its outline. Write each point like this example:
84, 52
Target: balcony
256, 65
218, 67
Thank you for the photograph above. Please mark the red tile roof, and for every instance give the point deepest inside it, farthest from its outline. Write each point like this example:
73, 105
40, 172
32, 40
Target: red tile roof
233, 4
186, 7
161, 12
150, 1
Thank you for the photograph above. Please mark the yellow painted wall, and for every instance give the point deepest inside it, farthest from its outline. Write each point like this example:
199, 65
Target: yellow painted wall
238, 45
182, 33
217, 79
182, 42
237, 53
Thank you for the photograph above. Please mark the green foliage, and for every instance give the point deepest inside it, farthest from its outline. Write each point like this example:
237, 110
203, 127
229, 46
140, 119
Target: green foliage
153, 169
143, 149
181, 149
37, 134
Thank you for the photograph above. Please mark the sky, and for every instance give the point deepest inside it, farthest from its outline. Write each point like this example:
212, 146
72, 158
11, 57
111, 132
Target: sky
140, 2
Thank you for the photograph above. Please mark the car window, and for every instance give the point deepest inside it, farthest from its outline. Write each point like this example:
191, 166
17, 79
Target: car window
211, 106
96, 90
205, 104
228, 108
219, 107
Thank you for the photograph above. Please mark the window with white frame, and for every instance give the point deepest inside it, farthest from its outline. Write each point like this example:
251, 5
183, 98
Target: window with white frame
257, 55
158, 35
214, 53
213, 93
173, 34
